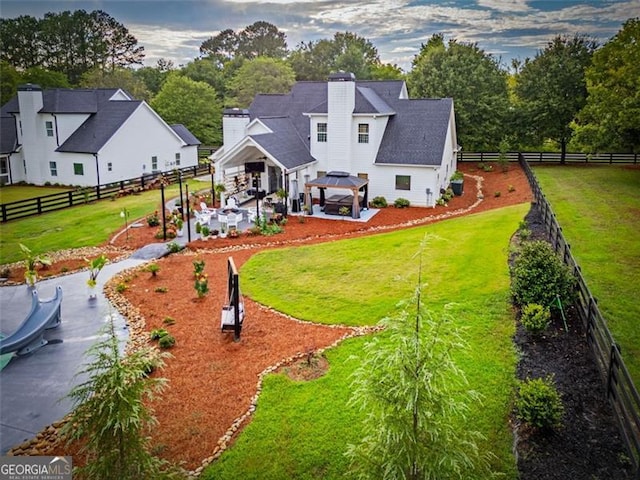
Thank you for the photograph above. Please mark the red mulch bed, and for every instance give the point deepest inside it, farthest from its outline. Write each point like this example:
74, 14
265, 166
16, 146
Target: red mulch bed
212, 379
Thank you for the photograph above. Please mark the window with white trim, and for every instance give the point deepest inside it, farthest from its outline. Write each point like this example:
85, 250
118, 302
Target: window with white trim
322, 132
109, 167
154, 163
403, 182
53, 169
78, 169
178, 159
363, 133
49, 127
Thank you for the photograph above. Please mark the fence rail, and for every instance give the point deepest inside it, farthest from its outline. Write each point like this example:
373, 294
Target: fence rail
620, 387
553, 157
70, 198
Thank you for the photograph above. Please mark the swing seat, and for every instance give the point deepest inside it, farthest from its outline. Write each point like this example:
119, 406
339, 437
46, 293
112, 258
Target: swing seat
227, 317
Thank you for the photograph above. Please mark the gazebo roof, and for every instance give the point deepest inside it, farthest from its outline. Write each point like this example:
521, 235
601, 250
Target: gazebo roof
338, 180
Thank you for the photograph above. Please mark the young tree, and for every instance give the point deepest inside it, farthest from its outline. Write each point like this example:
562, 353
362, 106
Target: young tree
551, 89
260, 75
610, 120
410, 388
473, 79
193, 104
110, 417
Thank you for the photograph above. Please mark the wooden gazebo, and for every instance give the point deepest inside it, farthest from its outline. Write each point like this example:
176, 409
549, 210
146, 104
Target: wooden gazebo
333, 204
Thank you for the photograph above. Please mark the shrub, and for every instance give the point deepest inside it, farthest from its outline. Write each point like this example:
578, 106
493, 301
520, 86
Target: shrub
497, 194
201, 285
153, 220
379, 202
457, 175
121, 287
158, 333
161, 290
198, 267
535, 318
538, 276
167, 341
153, 269
173, 247
539, 404
169, 321
401, 203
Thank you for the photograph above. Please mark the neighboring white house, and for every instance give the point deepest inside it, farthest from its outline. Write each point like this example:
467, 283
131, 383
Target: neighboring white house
87, 137
405, 148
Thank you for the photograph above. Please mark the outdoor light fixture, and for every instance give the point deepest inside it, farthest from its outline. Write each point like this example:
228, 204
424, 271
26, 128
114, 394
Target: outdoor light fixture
125, 214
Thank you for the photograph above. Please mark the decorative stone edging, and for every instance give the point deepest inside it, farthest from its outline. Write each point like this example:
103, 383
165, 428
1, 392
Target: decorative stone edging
48, 439
71, 254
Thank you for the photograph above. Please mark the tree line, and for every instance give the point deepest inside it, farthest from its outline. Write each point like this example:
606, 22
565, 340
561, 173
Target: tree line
574, 94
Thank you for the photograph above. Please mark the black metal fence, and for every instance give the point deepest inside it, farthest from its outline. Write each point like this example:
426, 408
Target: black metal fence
621, 390
59, 201
552, 157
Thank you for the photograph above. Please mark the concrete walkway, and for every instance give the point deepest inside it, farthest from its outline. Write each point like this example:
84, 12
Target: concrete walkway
33, 388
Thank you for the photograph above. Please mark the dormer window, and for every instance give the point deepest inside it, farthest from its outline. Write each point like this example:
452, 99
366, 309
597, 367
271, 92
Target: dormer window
49, 127
363, 133
322, 132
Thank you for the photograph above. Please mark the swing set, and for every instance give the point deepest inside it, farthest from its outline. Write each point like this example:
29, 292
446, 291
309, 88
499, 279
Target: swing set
233, 309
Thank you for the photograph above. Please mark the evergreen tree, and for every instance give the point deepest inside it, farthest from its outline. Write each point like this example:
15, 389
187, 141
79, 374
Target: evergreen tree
110, 418
413, 395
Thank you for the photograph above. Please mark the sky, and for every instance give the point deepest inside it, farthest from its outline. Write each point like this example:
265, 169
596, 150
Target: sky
507, 29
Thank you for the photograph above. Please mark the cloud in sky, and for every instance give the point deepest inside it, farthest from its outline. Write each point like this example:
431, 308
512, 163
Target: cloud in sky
175, 29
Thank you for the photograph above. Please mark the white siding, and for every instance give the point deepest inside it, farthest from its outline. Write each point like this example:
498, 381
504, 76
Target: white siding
142, 136
382, 182
318, 150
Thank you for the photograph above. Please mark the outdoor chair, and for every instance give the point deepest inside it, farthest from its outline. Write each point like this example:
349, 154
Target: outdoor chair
203, 218
206, 210
232, 220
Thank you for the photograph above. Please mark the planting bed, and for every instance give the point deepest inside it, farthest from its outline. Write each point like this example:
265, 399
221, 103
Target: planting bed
588, 445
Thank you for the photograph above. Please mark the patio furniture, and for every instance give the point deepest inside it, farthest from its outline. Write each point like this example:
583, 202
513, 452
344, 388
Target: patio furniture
203, 218
334, 203
206, 210
233, 220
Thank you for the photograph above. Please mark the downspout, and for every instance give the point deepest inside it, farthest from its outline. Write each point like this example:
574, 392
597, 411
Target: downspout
97, 177
55, 122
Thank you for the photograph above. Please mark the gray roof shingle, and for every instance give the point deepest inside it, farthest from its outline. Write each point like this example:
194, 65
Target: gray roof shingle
188, 137
91, 136
415, 133
105, 118
284, 143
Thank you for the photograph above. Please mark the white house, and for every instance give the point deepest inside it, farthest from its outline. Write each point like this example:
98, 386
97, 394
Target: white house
404, 148
87, 137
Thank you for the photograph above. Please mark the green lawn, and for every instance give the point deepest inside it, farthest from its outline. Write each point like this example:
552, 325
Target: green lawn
14, 193
598, 208
301, 429
80, 226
